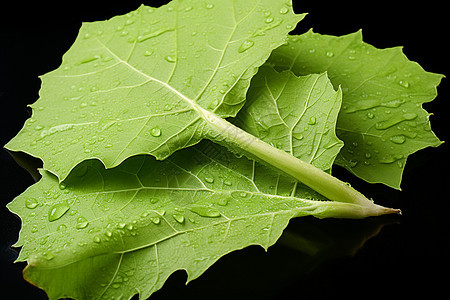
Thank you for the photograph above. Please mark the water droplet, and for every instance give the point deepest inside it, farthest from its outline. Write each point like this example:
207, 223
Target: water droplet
205, 211
209, 6
284, 10
62, 186
161, 212
96, 239
269, 20
48, 255
156, 220
312, 120
155, 131
148, 52
247, 44
227, 182
222, 201
209, 179
61, 227
404, 83
370, 115
82, 223
395, 120
298, 135
170, 58
353, 163
34, 228
409, 116
57, 211
178, 218
390, 159
329, 54
398, 139
31, 203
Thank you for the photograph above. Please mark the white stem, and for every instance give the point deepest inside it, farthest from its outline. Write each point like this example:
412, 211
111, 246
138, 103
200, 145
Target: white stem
322, 182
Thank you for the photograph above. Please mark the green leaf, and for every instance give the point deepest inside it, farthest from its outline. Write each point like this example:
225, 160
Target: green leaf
122, 231
382, 120
295, 114
141, 83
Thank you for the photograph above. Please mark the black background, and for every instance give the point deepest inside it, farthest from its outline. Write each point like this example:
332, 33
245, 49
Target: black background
408, 257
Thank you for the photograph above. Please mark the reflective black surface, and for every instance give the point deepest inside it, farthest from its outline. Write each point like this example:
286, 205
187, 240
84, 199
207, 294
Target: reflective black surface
390, 257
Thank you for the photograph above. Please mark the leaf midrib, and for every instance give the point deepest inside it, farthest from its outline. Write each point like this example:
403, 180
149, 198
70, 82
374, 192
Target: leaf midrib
164, 84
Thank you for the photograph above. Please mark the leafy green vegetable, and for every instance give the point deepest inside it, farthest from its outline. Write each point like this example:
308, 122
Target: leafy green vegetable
295, 114
141, 83
382, 120
108, 221
119, 95
132, 226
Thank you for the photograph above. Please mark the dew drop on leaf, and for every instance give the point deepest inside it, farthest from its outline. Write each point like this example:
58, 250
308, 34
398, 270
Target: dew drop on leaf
155, 131
61, 227
178, 218
312, 121
82, 223
209, 179
156, 220
205, 211
243, 194
227, 182
409, 116
398, 139
57, 211
298, 135
222, 201
353, 163
170, 58
34, 228
247, 44
284, 10
48, 255
31, 203
404, 83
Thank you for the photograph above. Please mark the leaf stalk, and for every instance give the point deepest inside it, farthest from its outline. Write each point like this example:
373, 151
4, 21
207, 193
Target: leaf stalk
329, 186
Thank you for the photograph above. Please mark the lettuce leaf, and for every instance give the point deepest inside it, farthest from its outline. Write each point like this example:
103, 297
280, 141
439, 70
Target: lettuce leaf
123, 231
145, 82
382, 121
